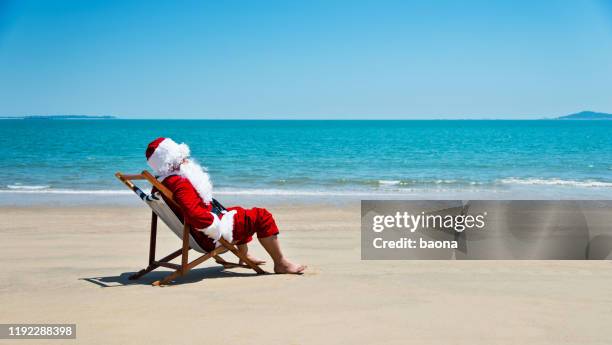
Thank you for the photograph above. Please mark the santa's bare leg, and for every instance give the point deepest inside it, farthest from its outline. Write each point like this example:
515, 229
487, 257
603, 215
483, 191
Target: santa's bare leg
244, 249
281, 264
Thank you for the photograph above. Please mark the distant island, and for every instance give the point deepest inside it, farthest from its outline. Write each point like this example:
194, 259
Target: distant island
59, 117
586, 115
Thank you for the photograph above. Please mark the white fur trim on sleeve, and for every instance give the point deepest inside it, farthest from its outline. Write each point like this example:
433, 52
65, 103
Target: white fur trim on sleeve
223, 227
227, 226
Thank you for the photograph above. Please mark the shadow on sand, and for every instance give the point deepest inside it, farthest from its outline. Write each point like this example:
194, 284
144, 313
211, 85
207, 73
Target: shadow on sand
195, 275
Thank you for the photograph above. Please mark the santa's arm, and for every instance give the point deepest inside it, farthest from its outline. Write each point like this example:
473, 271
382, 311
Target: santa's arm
199, 217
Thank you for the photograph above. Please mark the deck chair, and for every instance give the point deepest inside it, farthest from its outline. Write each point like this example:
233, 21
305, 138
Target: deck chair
159, 209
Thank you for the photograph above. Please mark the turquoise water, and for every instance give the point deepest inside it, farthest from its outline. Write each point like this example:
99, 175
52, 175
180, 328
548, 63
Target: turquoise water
395, 158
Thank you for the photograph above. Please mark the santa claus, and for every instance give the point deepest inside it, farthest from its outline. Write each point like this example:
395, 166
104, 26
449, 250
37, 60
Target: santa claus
192, 190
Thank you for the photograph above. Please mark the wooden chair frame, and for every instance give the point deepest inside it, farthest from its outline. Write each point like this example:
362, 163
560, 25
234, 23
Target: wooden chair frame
183, 252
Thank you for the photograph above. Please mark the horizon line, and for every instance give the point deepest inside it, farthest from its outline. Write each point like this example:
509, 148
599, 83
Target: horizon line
284, 119
296, 117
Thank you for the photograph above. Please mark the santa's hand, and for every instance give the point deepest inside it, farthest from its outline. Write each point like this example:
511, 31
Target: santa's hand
223, 227
227, 226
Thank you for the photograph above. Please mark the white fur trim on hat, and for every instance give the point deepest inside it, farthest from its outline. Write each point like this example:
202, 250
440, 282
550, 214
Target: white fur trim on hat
223, 227
167, 156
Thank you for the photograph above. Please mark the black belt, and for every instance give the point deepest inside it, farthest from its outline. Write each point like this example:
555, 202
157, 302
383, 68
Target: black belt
217, 208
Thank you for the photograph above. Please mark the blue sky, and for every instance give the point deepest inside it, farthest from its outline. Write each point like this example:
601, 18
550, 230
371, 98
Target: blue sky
306, 59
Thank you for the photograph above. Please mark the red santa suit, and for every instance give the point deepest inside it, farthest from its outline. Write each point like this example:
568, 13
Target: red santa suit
192, 191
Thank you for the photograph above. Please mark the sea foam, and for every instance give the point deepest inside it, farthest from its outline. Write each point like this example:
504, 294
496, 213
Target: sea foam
555, 182
26, 187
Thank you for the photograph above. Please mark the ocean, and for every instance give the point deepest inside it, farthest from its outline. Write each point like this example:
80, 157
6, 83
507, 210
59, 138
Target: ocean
362, 159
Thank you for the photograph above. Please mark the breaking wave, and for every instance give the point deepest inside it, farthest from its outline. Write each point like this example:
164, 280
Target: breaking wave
46, 190
26, 187
555, 182
348, 188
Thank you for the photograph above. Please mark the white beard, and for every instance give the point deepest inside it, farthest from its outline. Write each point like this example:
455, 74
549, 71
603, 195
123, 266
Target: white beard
198, 177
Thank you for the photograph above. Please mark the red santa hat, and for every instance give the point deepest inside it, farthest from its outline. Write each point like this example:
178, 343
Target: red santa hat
164, 155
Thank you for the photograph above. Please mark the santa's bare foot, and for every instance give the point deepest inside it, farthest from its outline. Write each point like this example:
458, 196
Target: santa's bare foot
254, 260
288, 267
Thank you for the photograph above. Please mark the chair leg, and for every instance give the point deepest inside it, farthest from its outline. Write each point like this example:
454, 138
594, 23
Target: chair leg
152, 245
141, 273
153, 266
153, 239
168, 278
213, 254
241, 256
187, 267
221, 261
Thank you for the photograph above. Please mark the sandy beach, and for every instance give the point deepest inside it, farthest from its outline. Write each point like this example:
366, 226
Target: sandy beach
53, 257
